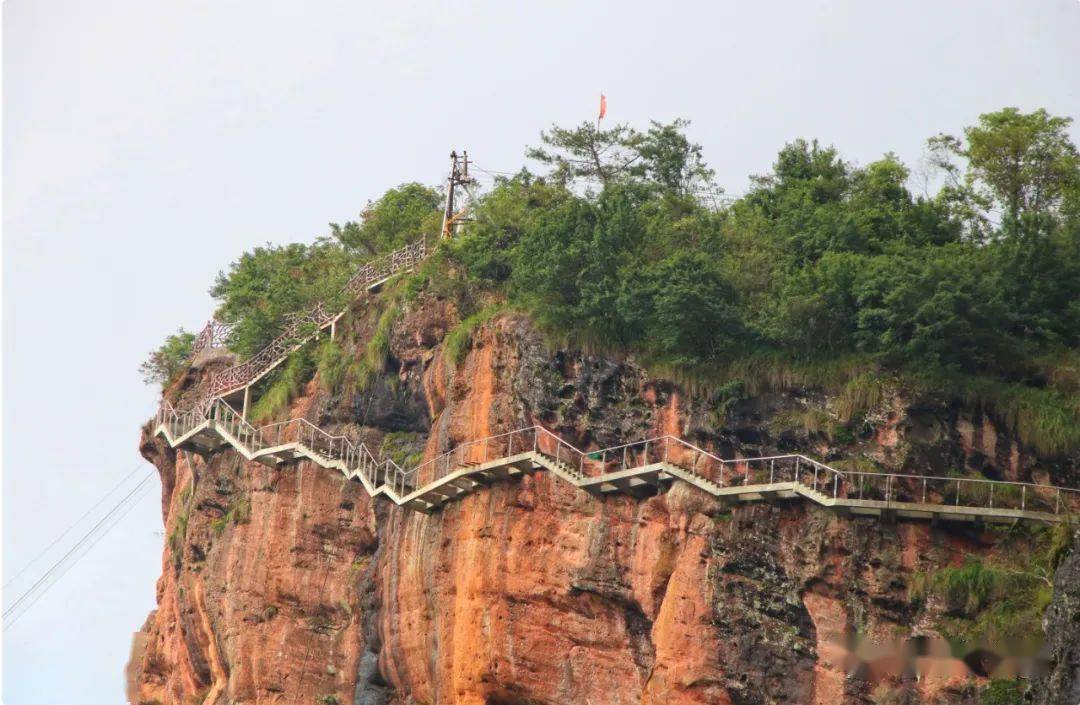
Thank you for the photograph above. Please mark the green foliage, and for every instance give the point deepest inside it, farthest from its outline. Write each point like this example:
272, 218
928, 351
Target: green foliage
1044, 417
377, 349
1021, 164
332, 363
662, 156
282, 385
269, 283
162, 366
403, 447
1002, 691
176, 536
992, 601
825, 273
239, 513
456, 343
401, 216
810, 419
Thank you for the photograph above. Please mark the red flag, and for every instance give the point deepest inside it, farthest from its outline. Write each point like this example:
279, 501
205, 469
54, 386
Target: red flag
603, 106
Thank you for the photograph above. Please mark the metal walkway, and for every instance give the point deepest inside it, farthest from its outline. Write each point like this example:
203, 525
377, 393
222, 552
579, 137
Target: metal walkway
641, 469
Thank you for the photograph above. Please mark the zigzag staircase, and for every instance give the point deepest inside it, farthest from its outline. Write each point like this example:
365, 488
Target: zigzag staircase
641, 469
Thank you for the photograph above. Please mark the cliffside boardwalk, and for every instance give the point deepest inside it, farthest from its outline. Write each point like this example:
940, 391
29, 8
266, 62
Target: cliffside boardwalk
209, 423
641, 468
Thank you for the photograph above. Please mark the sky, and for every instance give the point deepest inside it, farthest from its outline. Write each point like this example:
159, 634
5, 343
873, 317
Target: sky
148, 144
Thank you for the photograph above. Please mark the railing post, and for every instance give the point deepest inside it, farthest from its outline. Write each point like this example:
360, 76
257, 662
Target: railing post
991, 495
772, 470
924, 490
958, 493
1023, 497
835, 485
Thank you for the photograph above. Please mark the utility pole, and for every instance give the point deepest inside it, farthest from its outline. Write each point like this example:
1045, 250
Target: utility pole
453, 216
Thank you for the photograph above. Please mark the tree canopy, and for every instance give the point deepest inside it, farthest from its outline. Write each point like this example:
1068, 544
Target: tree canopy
821, 259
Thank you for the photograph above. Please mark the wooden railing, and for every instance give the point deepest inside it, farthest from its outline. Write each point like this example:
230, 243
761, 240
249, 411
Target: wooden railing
299, 329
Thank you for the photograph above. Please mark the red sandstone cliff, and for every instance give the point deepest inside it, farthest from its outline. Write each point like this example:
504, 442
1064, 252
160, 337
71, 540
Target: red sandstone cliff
290, 585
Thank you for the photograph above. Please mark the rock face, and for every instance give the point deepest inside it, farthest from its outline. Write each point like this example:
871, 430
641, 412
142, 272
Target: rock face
1062, 624
290, 585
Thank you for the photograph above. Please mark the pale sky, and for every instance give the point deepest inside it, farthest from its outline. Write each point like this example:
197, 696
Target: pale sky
147, 144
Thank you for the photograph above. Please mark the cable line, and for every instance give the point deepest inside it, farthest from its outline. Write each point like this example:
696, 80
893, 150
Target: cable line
66, 531
42, 585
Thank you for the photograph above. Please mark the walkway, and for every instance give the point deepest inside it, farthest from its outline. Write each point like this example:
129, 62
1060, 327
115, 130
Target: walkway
643, 468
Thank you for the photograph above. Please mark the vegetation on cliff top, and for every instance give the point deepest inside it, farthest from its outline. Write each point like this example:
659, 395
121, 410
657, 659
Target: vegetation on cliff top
972, 291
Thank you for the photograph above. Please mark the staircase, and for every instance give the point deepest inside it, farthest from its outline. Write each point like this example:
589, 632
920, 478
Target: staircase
642, 467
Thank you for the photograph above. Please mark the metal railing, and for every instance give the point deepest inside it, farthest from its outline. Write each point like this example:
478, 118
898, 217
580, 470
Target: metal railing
755, 473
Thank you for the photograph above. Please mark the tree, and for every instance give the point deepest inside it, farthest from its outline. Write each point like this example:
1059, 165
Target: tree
269, 283
163, 364
684, 309
401, 216
671, 160
590, 153
1021, 164
663, 156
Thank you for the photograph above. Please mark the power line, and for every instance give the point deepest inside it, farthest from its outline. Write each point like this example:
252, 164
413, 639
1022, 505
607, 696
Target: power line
66, 531
60, 568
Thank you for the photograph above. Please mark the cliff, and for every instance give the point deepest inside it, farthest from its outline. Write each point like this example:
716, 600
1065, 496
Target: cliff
289, 584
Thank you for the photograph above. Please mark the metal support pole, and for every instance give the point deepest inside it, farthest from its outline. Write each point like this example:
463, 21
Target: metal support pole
247, 398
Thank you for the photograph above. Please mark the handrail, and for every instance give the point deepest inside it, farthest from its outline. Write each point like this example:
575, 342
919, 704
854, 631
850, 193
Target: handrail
213, 335
796, 470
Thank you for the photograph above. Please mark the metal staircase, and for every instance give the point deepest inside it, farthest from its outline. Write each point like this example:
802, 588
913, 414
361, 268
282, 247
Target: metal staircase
642, 468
